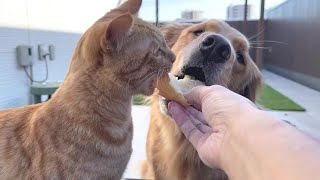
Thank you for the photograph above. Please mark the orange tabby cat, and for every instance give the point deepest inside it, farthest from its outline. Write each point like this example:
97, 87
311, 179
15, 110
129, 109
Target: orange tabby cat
85, 130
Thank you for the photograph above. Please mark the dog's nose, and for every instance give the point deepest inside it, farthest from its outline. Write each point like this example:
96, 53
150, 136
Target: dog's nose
216, 48
209, 41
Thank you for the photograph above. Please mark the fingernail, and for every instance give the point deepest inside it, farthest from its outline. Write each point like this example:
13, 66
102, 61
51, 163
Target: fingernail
172, 109
171, 104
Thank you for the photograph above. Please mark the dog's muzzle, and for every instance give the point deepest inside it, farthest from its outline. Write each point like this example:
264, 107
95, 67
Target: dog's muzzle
213, 52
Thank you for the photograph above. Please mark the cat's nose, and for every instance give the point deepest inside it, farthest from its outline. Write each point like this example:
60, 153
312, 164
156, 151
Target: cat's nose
171, 56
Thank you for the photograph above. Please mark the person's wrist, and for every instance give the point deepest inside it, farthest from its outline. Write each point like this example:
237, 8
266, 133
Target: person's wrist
245, 118
237, 128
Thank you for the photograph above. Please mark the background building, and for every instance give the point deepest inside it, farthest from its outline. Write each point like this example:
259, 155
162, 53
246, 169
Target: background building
192, 15
236, 12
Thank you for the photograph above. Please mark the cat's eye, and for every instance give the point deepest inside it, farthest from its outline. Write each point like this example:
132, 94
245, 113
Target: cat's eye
240, 58
199, 32
160, 53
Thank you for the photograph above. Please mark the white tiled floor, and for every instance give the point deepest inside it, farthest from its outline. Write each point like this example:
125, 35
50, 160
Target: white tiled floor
308, 121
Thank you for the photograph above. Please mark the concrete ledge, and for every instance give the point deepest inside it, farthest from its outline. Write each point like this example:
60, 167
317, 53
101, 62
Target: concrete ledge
306, 80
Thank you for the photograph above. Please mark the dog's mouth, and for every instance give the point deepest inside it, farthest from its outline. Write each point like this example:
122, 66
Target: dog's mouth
196, 73
191, 74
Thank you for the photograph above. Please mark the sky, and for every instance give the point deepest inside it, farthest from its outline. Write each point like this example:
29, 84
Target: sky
54, 15
78, 15
170, 10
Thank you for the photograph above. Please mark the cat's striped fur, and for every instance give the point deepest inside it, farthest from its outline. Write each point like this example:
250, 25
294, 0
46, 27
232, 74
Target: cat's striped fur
85, 130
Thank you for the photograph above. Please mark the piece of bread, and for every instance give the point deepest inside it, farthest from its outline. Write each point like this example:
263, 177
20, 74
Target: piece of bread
171, 88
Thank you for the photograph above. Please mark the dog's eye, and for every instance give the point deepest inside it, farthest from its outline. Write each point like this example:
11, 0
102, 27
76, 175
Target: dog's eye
240, 58
198, 32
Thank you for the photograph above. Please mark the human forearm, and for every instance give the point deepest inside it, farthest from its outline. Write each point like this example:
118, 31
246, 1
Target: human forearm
243, 141
265, 150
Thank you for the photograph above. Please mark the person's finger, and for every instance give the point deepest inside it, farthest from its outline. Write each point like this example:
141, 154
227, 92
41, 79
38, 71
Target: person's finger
202, 127
185, 124
201, 124
174, 109
197, 114
194, 96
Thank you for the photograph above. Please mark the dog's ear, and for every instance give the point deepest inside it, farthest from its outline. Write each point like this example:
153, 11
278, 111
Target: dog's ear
172, 32
252, 89
117, 31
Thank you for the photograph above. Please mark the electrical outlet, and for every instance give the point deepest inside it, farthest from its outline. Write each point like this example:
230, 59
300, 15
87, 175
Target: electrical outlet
46, 50
43, 50
52, 52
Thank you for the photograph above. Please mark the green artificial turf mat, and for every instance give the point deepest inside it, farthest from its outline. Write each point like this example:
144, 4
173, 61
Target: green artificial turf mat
140, 100
272, 99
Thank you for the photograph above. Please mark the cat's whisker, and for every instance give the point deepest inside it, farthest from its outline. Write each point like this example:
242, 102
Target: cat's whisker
128, 83
148, 75
159, 75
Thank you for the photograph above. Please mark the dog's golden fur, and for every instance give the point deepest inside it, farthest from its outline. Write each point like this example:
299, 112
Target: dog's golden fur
85, 130
169, 153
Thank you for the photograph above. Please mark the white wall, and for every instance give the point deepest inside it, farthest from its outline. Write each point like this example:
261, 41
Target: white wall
14, 84
34, 22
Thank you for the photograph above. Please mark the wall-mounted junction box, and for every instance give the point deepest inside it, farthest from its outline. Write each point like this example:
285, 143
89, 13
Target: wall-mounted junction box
25, 55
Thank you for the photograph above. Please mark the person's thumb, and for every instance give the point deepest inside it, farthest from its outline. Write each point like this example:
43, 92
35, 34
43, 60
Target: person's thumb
196, 94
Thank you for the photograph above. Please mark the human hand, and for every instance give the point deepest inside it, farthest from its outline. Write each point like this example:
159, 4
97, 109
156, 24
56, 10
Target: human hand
207, 130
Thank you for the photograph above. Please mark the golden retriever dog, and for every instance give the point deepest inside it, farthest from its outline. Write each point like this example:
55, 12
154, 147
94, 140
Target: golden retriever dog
214, 53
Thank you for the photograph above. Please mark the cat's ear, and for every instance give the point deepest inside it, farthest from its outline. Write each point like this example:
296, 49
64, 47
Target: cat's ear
116, 32
131, 6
